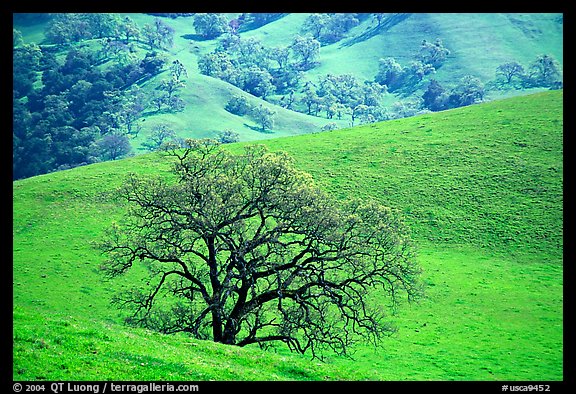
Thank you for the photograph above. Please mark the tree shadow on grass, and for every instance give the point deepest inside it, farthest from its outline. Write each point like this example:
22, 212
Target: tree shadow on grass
385, 25
258, 129
196, 37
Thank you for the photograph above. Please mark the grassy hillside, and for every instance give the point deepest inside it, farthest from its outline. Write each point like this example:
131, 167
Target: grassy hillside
481, 188
478, 44
487, 175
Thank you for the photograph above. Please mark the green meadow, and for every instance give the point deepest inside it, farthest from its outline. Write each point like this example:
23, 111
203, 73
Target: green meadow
481, 188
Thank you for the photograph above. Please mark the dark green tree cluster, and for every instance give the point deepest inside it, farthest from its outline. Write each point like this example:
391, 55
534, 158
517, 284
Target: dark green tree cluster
68, 28
228, 136
256, 69
79, 104
469, 90
158, 35
211, 25
264, 116
339, 95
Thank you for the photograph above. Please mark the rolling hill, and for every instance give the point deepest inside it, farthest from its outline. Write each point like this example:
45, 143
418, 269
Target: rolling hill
481, 188
478, 43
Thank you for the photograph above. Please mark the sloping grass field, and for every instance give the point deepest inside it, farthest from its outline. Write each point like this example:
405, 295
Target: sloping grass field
481, 188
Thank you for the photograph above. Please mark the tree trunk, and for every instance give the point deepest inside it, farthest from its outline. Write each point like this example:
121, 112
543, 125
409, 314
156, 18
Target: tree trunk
216, 326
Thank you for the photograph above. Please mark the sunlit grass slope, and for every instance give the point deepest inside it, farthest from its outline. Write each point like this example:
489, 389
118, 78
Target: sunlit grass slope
488, 175
480, 187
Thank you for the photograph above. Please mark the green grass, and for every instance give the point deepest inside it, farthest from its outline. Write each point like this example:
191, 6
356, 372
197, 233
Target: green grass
480, 187
62, 347
488, 175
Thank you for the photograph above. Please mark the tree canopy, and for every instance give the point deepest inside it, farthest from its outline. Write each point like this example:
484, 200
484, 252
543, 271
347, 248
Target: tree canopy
244, 249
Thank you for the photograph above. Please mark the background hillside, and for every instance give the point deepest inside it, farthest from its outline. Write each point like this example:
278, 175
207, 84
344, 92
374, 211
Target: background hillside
477, 45
481, 187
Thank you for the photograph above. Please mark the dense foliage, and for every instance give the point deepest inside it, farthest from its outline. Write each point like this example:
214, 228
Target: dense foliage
75, 103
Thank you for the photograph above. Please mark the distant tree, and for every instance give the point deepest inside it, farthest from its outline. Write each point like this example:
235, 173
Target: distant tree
414, 72
433, 53
545, 71
468, 91
310, 98
263, 116
128, 30
287, 80
211, 25
158, 34
357, 111
176, 104
258, 82
217, 65
228, 43
389, 73
168, 95
406, 108
228, 136
171, 86
238, 105
344, 92
250, 51
280, 55
158, 100
246, 249
67, 28
160, 135
153, 63
334, 108
372, 93
178, 70
73, 146
287, 100
315, 24
510, 70
432, 95
131, 107
103, 24
306, 49
114, 146
338, 25
329, 28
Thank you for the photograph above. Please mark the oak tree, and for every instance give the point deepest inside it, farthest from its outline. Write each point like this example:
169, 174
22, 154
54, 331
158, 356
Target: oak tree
245, 249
